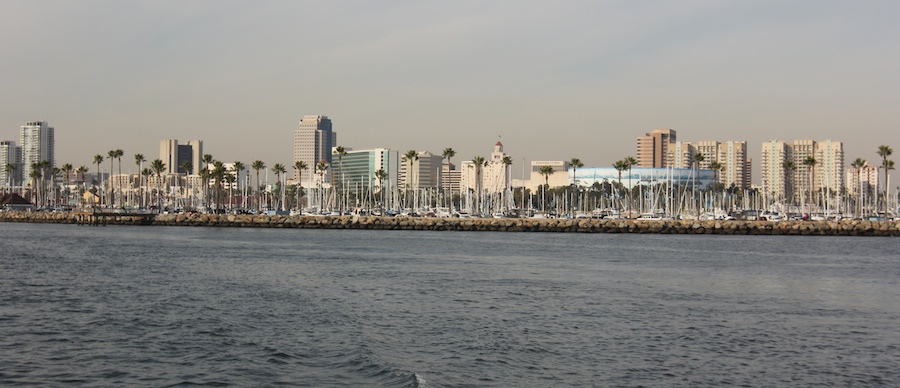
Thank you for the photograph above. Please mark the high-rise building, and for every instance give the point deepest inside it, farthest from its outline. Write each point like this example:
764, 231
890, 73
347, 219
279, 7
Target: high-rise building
736, 166
731, 156
494, 177
800, 151
680, 154
450, 178
800, 176
652, 148
10, 155
774, 173
36, 140
425, 173
313, 141
174, 154
829, 169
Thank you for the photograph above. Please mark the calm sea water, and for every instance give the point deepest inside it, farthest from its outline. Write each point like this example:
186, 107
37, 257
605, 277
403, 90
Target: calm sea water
168, 306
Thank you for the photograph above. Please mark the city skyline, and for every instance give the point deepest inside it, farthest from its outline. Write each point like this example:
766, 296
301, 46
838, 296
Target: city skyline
551, 81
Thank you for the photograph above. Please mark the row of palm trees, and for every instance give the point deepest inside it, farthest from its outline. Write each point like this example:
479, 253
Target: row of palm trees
216, 173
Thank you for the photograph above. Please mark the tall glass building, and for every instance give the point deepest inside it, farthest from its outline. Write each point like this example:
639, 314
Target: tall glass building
36, 140
359, 167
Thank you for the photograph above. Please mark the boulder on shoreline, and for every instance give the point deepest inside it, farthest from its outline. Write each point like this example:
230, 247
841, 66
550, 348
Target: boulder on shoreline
792, 228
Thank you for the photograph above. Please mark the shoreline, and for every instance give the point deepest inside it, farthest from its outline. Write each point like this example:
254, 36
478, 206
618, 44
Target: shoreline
559, 225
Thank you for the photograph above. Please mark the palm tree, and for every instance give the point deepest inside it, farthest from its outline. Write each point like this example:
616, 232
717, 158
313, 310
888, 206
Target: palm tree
810, 163
186, 166
158, 166
629, 163
256, 166
34, 175
380, 174
340, 151
696, 159
10, 172
139, 161
300, 166
279, 169
97, 160
410, 156
789, 167
218, 175
621, 165
507, 161
715, 166
859, 164
884, 151
119, 154
111, 201
238, 168
321, 168
67, 169
447, 154
479, 162
81, 170
576, 164
546, 171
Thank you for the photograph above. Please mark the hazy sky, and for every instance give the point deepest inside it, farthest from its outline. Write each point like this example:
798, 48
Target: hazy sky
555, 79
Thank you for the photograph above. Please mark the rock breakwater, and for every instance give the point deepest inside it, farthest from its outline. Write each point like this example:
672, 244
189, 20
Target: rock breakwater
795, 228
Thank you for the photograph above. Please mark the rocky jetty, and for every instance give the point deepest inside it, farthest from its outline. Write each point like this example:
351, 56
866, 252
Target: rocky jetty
795, 228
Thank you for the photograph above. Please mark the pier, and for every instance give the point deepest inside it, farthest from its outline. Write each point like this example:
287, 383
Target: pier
103, 217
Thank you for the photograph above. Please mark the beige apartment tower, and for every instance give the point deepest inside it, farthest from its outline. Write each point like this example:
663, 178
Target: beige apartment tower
799, 178
731, 156
652, 148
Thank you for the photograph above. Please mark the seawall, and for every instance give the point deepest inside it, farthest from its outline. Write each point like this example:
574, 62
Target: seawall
796, 228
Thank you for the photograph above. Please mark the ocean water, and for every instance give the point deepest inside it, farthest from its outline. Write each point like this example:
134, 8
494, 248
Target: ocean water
176, 306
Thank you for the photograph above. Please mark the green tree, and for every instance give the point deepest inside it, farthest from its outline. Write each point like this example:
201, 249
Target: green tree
300, 166
279, 170
237, 168
884, 151
97, 160
340, 151
810, 163
410, 156
546, 171
715, 166
576, 164
10, 173
479, 163
321, 169
158, 166
859, 164
789, 167
256, 166
381, 175
447, 154
139, 161
186, 166
67, 169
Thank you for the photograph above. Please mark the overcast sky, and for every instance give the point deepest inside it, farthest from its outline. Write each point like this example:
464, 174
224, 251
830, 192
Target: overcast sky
551, 79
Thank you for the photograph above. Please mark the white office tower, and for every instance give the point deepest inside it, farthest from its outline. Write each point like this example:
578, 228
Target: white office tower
10, 155
36, 141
